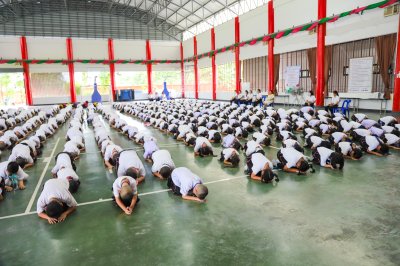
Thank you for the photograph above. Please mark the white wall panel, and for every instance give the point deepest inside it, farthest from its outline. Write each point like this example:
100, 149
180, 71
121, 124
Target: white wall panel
124, 49
224, 58
10, 48
299, 41
47, 48
254, 23
79, 67
289, 13
253, 51
130, 67
204, 42
225, 34
188, 48
165, 50
204, 62
90, 49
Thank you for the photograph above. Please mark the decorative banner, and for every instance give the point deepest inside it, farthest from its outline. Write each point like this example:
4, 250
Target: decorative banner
265, 38
292, 77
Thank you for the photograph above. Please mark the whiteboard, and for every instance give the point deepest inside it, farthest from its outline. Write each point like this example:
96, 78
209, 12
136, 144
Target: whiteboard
360, 74
292, 77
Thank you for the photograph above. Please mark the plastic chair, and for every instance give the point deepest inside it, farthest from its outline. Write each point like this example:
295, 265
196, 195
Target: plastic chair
263, 98
346, 108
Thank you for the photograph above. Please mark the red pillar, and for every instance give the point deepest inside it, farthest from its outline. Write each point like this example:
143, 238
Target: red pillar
271, 29
182, 72
70, 56
319, 94
196, 74
112, 66
27, 78
149, 67
213, 66
396, 92
237, 55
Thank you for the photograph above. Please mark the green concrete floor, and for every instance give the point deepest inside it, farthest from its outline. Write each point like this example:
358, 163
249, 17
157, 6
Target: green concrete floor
326, 218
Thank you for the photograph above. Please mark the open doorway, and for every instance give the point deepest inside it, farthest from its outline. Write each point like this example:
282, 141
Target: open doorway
12, 89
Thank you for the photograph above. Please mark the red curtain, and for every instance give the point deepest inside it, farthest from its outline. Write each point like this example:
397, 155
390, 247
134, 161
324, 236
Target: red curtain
312, 66
385, 48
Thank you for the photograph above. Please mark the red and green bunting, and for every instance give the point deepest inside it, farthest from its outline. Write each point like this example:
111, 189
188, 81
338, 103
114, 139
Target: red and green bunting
276, 35
106, 62
307, 27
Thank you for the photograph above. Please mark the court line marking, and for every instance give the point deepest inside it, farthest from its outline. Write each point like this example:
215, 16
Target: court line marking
276, 148
110, 199
28, 208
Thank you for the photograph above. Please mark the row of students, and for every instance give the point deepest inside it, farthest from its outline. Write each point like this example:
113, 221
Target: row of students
182, 181
56, 201
24, 150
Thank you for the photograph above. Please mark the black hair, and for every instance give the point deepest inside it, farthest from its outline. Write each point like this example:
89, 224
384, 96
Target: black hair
54, 209
229, 130
384, 149
245, 133
304, 166
235, 160
73, 185
267, 141
337, 159
357, 153
270, 131
165, 172
131, 172
267, 176
191, 141
3, 146
236, 145
217, 137
21, 161
336, 92
204, 151
12, 167
311, 93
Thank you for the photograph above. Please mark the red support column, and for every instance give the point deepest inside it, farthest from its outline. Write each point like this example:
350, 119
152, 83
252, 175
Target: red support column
237, 55
27, 78
182, 72
70, 56
319, 94
213, 66
112, 66
396, 91
149, 67
196, 74
271, 29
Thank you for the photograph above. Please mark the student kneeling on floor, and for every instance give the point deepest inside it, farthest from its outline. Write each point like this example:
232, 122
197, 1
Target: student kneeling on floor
56, 202
188, 185
125, 193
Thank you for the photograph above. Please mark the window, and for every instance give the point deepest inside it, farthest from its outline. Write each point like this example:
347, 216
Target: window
205, 79
173, 80
12, 90
226, 77
84, 83
189, 81
128, 80
50, 84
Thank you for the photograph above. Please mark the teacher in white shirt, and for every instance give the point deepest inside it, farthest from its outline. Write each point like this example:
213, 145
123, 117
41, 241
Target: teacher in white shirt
334, 102
310, 100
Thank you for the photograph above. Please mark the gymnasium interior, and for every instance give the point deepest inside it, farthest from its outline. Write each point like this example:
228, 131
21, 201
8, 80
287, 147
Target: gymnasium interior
172, 71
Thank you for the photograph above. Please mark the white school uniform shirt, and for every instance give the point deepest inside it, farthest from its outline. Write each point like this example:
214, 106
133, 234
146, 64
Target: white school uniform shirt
338, 136
71, 147
324, 128
289, 143
346, 125
185, 179
391, 139
285, 134
335, 100
311, 99
55, 188
6, 140
259, 137
201, 130
324, 154
322, 112
21, 150
388, 129
228, 152
387, 119
345, 147
228, 140
362, 132
3, 172
78, 140
292, 156
3, 123
64, 173
259, 161
306, 109
316, 140
211, 133
264, 129
117, 185
63, 161
128, 159
323, 119
360, 117
149, 148
372, 142
367, 123
161, 158
376, 131
314, 122
300, 124
200, 141
252, 147
109, 151
189, 136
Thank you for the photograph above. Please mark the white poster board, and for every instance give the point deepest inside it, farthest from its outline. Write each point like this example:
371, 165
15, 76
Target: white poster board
292, 77
360, 74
